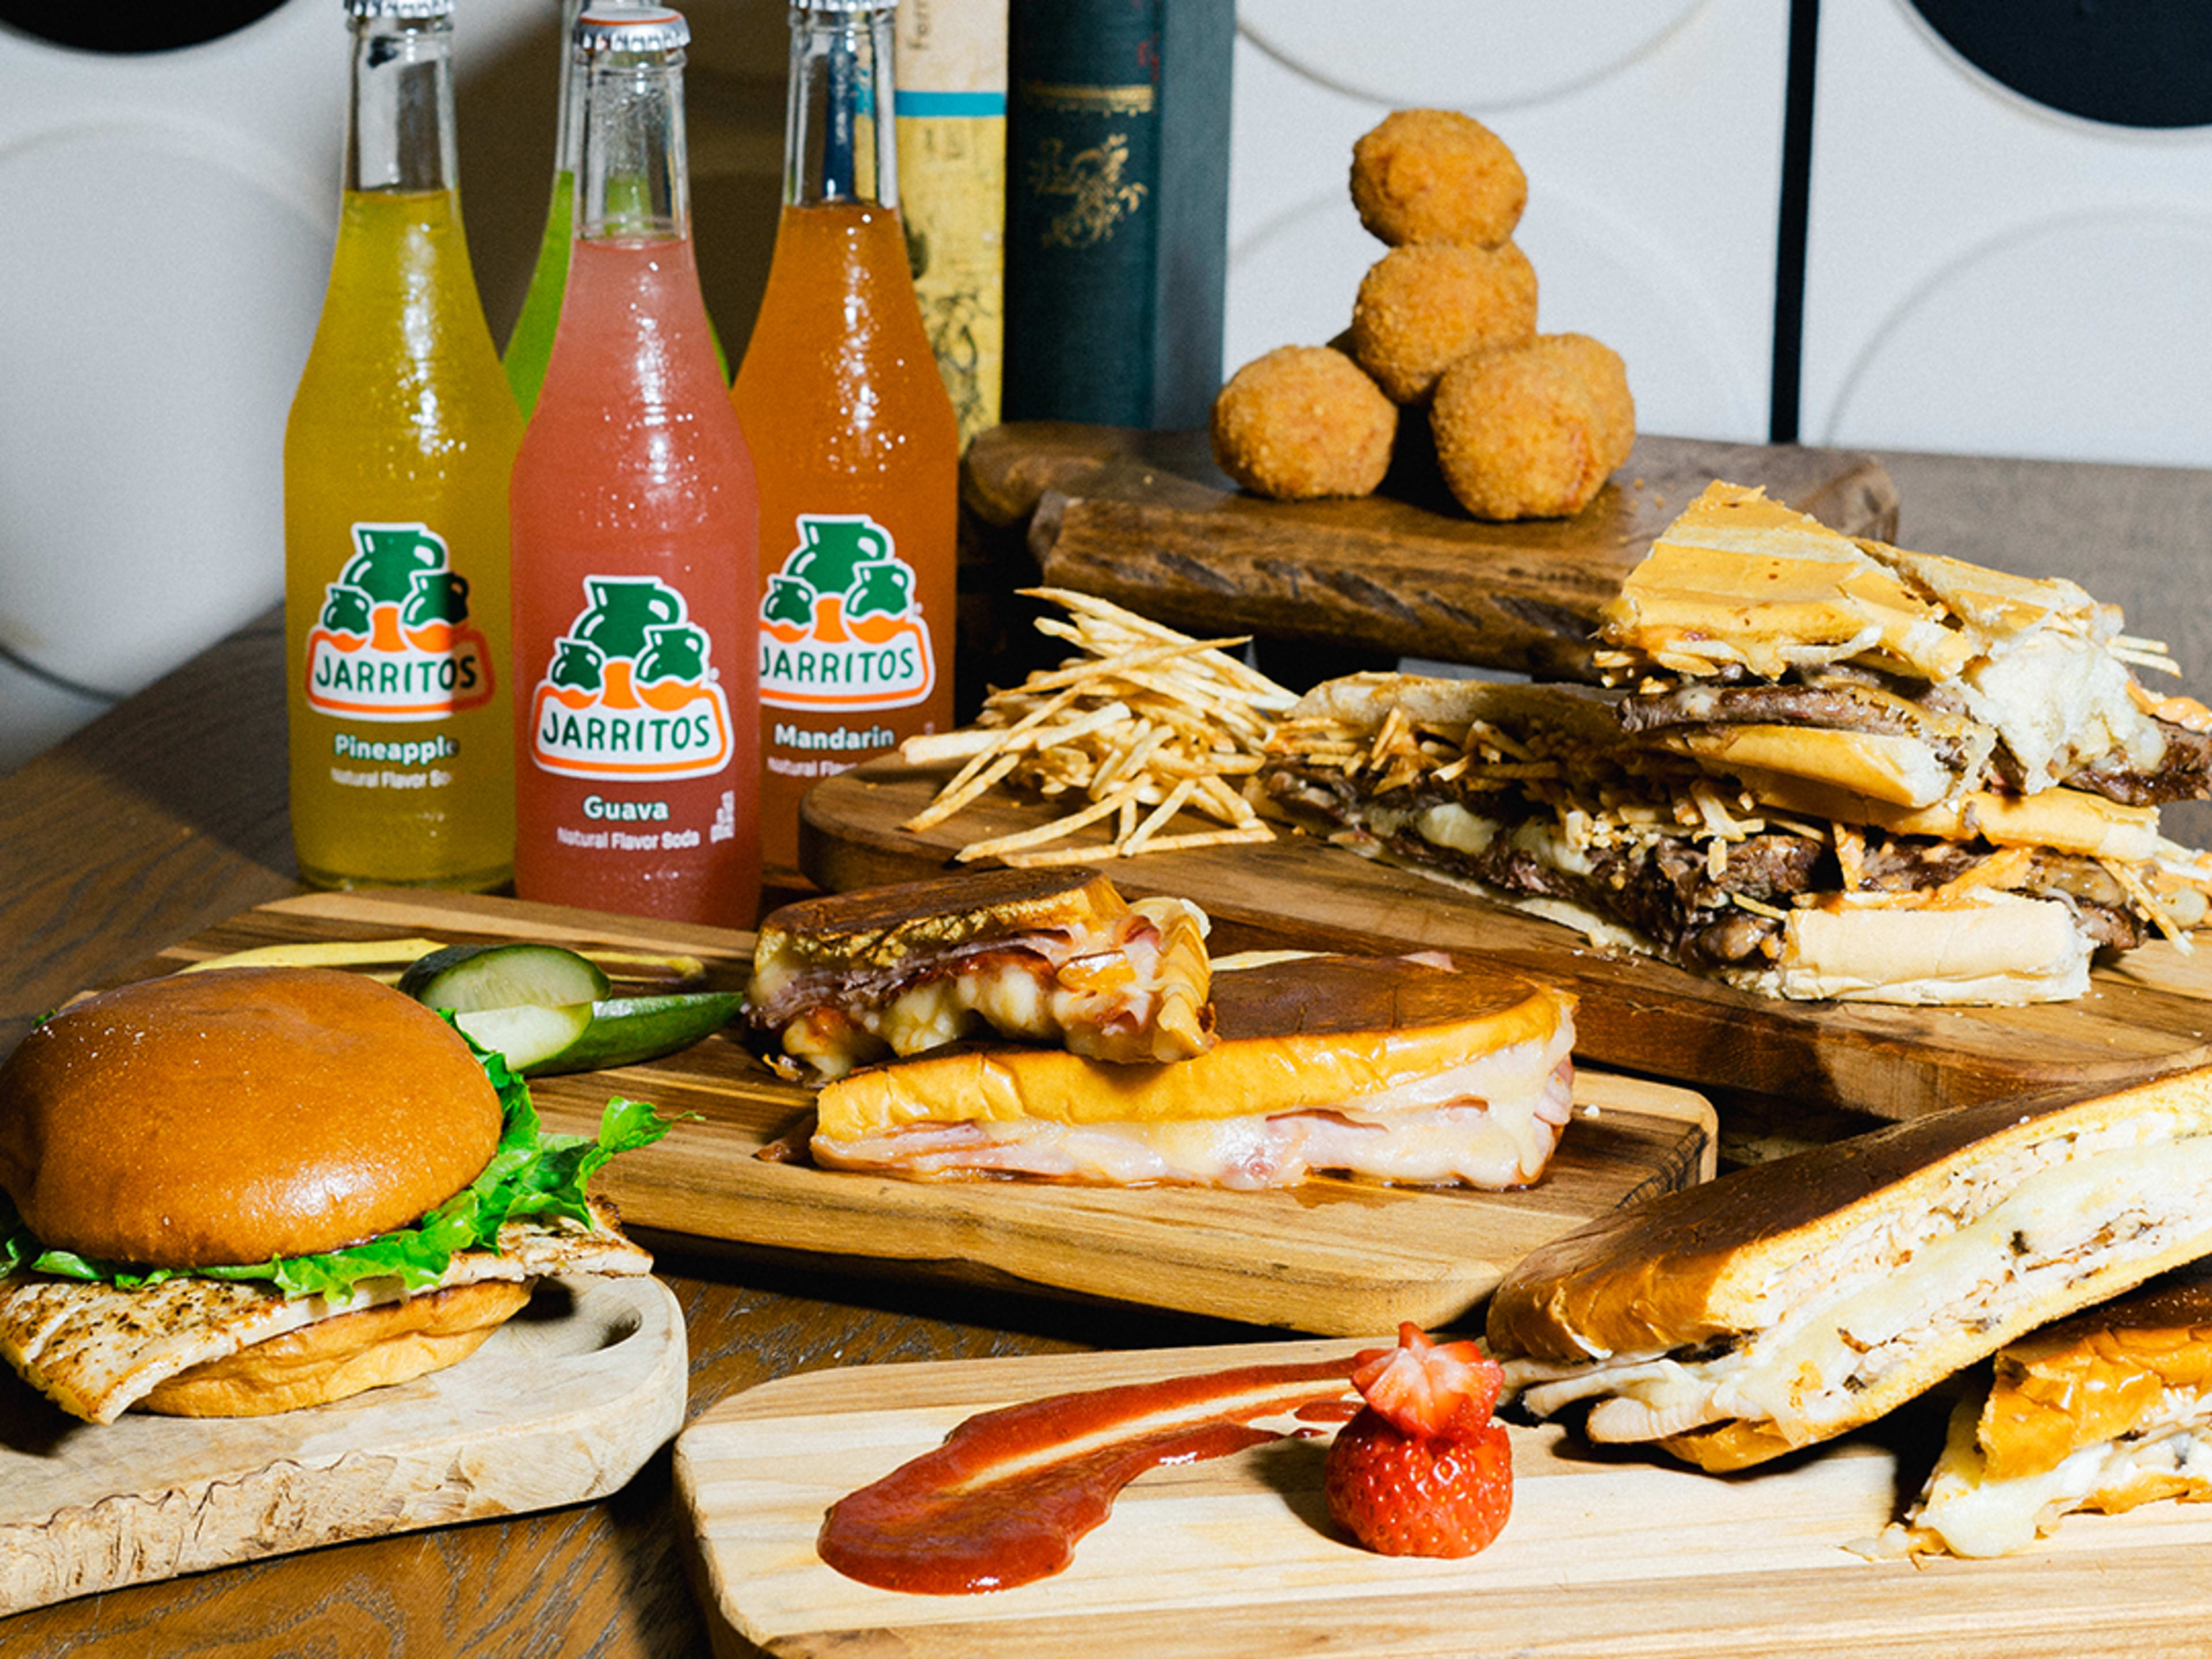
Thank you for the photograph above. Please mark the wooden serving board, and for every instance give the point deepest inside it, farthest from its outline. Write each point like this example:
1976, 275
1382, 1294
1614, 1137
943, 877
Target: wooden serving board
2152, 1013
1143, 518
565, 1402
1605, 1555
1329, 1256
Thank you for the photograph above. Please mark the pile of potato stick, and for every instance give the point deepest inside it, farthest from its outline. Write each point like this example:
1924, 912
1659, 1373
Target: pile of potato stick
1146, 725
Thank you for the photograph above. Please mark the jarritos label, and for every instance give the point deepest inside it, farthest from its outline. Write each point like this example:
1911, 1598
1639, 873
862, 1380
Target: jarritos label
841, 628
631, 693
394, 642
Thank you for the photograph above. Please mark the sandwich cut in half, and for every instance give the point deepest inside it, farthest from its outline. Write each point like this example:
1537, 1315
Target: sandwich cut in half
2105, 1411
1785, 1303
1391, 1069
249, 1190
1042, 955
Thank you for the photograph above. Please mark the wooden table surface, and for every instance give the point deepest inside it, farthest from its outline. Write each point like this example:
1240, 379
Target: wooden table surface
168, 815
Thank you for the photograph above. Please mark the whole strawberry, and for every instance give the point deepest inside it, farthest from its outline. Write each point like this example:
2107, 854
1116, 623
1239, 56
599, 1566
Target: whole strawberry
1422, 1470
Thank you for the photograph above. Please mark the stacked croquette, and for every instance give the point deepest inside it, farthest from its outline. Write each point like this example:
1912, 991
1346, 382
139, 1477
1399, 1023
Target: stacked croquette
1524, 425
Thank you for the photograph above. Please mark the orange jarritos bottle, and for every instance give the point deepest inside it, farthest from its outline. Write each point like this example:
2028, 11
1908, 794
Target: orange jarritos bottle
401, 436
635, 535
854, 435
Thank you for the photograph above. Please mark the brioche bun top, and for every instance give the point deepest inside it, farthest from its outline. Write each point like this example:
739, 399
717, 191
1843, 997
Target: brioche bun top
239, 1115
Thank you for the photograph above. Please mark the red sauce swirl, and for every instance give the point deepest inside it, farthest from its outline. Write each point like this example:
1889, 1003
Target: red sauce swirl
1003, 1501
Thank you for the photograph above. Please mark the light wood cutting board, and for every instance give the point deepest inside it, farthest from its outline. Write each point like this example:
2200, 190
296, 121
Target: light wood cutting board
2151, 1013
1604, 1555
1329, 1256
563, 1403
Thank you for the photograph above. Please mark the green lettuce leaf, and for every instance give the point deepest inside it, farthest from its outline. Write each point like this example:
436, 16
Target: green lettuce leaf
531, 1175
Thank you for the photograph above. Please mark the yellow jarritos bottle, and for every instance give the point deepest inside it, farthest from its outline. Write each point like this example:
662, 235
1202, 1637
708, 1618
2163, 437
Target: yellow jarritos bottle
396, 461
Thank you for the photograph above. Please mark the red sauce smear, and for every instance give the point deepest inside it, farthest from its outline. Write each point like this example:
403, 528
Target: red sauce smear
1003, 1501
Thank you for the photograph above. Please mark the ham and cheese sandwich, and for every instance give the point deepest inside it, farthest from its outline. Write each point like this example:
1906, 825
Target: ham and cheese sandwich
1392, 1069
1826, 768
1051, 956
1783, 1304
2106, 1411
248, 1190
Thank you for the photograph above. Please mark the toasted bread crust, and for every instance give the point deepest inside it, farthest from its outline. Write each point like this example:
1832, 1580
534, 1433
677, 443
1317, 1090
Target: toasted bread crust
879, 928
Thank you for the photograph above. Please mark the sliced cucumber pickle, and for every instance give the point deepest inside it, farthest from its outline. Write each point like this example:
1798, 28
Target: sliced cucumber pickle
624, 1031
469, 978
527, 1037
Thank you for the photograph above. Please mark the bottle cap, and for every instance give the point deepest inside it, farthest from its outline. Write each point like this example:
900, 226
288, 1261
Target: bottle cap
631, 28
409, 10
844, 8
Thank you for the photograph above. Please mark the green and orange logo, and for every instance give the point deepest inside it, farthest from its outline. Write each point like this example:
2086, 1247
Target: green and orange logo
632, 693
840, 628
393, 641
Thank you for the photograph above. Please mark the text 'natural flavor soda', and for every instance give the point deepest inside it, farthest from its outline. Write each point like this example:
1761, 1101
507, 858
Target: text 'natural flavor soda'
635, 521
853, 436
395, 456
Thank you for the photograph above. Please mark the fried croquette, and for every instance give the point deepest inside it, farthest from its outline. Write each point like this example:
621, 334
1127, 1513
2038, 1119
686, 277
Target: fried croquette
1520, 435
1606, 377
1302, 422
1434, 175
1422, 308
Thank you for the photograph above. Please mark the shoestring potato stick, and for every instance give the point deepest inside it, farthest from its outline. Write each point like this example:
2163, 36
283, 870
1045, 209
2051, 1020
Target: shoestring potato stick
1144, 729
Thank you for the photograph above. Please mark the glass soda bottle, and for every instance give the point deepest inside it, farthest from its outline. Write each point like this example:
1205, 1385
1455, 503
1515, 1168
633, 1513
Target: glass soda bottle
635, 534
530, 346
854, 435
401, 433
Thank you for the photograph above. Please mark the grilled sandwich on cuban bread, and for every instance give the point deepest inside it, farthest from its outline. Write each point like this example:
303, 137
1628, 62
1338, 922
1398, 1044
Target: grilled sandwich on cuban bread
1834, 768
252, 1189
2105, 1411
1783, 1304
1391, 1069
1044, 955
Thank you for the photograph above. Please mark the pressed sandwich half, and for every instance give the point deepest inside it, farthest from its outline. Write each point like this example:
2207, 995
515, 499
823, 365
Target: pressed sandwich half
1829, 768
1781, 1305
1041, 955
1391, 1069
2106, 1411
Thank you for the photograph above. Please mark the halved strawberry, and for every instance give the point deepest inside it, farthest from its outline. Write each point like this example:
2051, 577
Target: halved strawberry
1421, 1470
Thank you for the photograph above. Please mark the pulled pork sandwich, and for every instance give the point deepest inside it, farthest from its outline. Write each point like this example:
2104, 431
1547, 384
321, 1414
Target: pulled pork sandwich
1783, 1305
1389, 1069
1055, 955
253, 1189
1830, 768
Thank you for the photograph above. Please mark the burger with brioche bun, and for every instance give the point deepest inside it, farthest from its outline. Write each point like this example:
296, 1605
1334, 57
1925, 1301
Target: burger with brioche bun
256, 1189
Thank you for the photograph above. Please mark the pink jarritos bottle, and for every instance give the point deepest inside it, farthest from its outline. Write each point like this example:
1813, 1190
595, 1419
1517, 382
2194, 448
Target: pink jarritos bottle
635, 531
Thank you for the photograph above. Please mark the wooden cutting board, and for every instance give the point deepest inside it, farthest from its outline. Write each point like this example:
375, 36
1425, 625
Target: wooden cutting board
1606, 1554
1329, 1256
1143, 518
2151, 1013
563, 1403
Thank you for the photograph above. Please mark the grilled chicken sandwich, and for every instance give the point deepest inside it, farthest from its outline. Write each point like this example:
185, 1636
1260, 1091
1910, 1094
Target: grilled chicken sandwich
1833, 768
1394, 1069
1049, 956
253, 1189
1781, 1305
2106, 1411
